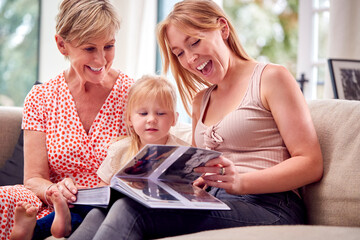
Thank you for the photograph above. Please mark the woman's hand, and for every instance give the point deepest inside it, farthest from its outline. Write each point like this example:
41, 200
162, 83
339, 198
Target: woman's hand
68, 188
221, 173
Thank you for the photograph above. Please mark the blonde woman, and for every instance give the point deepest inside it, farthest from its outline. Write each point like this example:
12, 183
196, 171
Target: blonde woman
252, 112
69, 121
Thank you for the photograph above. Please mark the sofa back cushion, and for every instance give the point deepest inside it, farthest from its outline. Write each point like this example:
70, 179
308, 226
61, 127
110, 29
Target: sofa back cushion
10, 126
335, 200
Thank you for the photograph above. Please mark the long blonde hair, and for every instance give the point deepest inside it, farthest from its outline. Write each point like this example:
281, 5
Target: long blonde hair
201, 15
147, 88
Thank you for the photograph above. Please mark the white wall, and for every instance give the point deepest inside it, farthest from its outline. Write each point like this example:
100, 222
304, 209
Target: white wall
51, 61
135, 46
344, 34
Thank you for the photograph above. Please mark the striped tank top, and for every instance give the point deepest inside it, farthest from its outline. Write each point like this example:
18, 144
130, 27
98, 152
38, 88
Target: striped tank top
249, 135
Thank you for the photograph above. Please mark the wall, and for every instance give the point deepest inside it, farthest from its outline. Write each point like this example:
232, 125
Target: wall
344, 35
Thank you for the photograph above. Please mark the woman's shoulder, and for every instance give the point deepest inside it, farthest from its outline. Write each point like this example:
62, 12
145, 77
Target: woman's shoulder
275, 72
124, 78
199, 97
123, 84
48, 88
272, 78
275, 75
52, 83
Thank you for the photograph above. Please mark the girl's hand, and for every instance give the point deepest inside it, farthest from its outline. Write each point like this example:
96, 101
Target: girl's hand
67, 187
221, 173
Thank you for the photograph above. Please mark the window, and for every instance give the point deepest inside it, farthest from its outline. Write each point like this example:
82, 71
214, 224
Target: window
314, 17
164, 8
268, 29
19, 41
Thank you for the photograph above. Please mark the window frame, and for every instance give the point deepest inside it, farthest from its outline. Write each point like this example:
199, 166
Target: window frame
308, 62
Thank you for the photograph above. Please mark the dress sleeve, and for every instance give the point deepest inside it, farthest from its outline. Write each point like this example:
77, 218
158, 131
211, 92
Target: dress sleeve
34, 117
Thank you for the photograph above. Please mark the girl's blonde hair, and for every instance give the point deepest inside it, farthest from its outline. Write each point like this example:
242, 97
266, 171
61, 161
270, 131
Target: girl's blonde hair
82, 20
190, 15
148, 88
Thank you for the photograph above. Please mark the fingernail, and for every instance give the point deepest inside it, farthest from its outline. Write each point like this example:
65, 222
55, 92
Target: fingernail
73, 199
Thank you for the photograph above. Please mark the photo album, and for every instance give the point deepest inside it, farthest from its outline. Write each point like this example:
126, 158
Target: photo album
159, 176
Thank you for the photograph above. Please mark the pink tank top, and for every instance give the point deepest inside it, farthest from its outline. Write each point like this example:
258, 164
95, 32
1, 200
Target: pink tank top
249, 135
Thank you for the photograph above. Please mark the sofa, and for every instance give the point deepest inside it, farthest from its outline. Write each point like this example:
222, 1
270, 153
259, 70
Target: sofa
333, 203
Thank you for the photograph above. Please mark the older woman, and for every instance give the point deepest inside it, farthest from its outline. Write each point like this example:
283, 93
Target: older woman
69, 120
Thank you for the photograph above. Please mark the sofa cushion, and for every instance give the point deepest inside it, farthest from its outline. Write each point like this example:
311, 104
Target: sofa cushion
10, 126
293, 232
12, 172
335, 200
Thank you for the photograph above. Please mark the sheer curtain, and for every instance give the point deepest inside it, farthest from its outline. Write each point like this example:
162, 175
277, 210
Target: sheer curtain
136, 41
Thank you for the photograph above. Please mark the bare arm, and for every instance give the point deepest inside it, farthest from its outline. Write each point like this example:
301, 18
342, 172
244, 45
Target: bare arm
36, 167
282, 96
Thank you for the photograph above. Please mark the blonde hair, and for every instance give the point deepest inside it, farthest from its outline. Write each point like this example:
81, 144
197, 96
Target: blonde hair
147, 88
86, 19
189, 15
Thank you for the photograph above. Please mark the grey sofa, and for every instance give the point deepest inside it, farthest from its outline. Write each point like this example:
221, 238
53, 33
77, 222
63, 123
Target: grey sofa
333, 204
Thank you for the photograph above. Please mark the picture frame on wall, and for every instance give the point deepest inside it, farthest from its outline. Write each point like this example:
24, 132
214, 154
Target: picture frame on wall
345, 78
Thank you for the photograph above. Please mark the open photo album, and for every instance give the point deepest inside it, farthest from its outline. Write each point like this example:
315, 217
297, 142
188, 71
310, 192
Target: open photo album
159, 176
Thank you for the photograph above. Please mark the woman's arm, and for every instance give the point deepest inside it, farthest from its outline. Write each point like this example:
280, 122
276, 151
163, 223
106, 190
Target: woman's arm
36, 168
282, 96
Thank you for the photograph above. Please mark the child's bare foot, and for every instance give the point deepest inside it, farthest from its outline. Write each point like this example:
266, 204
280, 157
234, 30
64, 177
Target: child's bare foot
61, 226
25, 221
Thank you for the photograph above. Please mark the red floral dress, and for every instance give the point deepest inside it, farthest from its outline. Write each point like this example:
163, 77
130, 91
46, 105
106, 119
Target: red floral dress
72, 152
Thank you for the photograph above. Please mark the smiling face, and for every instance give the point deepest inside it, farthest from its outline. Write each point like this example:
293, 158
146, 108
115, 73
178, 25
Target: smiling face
152, 121
91, 61
206, 56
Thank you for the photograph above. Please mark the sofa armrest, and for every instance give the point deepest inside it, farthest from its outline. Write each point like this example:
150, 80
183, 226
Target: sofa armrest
335, 200
10, 126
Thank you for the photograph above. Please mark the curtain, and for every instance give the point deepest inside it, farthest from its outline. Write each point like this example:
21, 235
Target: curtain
136, 41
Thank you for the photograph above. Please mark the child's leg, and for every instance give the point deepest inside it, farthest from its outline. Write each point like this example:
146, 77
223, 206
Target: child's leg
61, 226
25, 220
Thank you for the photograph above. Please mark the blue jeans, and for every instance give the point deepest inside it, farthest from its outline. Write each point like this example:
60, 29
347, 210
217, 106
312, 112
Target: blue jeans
127, 219
43, 225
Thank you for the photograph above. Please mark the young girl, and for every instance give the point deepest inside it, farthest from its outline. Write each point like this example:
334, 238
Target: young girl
150, 113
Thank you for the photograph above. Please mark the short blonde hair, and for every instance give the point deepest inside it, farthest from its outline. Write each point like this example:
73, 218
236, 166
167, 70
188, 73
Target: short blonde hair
82, 20
148, 88
190, 15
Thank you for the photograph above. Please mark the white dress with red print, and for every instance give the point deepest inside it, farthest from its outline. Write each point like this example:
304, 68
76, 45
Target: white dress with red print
72, 152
